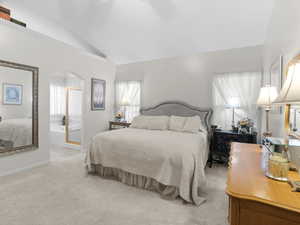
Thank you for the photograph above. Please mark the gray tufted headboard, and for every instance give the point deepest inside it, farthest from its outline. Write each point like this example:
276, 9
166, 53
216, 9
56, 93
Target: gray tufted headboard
178, 108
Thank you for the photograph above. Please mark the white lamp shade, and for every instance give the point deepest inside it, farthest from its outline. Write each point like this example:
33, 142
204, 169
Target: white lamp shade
290, 92
125, 102
267, 95
233, 102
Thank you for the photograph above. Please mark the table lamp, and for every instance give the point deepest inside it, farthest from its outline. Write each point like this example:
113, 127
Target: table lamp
290, 94
125, 102
233, 103
267, 95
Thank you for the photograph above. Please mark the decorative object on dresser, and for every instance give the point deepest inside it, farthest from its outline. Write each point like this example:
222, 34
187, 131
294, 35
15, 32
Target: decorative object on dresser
98, 94
267, 95
221, 142
253, 198
245, 126
113, 125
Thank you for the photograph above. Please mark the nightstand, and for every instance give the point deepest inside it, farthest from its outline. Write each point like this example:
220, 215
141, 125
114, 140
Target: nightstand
113, 125
221, 143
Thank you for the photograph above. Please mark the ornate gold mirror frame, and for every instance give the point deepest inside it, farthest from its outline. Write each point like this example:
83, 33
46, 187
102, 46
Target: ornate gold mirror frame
35, 133
294, 61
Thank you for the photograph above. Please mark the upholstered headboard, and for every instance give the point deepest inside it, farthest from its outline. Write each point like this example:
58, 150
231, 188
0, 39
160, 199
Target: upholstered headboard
178, 108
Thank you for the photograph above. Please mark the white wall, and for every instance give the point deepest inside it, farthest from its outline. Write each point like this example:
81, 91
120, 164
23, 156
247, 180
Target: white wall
283, 38
38, 21
52, 57
188, 78
19, 77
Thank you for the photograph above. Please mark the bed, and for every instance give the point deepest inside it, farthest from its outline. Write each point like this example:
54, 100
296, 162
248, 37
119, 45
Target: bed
16, 132
171, 163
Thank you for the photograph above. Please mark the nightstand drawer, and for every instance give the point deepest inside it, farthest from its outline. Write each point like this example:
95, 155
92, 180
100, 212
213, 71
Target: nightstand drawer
221, 142
113, 125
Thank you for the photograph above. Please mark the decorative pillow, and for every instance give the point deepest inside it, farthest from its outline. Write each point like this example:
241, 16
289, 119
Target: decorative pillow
177, 123
193, 125
140, 122
158, 122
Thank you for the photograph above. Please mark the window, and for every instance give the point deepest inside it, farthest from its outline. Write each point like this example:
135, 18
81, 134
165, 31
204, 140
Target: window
128, 98
235, 89
57, 100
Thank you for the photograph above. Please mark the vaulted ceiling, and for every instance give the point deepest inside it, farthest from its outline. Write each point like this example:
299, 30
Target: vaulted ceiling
138, 30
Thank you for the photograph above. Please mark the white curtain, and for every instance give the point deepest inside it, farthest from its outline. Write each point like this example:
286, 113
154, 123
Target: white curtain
57, 100
129, 91
244, 88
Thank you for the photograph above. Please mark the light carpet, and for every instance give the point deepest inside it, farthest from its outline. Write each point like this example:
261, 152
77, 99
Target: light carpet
61, 193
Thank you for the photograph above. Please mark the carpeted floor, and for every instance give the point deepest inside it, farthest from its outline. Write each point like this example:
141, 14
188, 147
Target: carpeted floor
61, 193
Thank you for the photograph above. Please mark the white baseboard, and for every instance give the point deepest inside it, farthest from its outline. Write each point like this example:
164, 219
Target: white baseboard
24, 168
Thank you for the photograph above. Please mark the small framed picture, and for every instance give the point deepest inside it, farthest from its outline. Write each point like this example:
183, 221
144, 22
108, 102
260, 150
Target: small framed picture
98, 94
12, 94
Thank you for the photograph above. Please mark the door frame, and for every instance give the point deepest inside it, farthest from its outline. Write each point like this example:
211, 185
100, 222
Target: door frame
67, 117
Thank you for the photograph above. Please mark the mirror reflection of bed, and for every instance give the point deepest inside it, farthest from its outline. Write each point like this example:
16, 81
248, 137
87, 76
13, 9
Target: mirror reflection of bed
15, 108
65, 112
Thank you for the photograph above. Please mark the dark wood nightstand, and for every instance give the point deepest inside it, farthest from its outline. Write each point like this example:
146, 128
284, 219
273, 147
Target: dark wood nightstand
113, 125
221, 143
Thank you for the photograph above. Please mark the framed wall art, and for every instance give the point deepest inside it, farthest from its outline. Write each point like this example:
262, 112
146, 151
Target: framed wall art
98, 94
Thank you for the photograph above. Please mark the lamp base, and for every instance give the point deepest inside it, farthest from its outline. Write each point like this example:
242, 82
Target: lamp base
267, 134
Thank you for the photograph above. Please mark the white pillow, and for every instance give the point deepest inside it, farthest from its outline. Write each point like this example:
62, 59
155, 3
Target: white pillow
177, 123
193, 125
150, 122
158, 122
140, 122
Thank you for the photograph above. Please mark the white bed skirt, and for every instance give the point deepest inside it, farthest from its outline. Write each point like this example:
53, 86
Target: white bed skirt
147, 183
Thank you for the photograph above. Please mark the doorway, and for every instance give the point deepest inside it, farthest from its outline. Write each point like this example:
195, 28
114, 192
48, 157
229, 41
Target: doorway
66, 110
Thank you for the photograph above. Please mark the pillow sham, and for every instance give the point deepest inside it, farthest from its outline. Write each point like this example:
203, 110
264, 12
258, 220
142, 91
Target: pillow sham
150, 122
158, 122
193, 125
140, 122
177, 123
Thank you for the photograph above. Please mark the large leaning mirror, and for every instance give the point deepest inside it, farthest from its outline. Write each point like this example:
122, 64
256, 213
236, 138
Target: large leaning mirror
18, 107
292, 114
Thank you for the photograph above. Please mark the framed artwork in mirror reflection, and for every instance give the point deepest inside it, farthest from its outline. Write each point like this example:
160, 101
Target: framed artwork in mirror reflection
12, 94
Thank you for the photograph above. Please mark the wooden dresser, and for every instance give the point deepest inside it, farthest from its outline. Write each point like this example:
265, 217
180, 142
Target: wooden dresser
255, 199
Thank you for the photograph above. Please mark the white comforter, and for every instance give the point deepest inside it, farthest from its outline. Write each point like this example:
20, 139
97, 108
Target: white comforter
172, 158
18, 131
